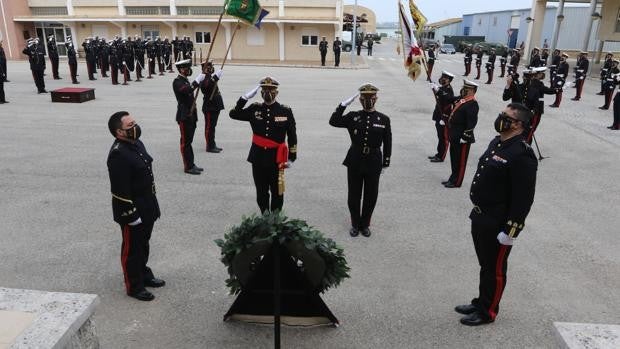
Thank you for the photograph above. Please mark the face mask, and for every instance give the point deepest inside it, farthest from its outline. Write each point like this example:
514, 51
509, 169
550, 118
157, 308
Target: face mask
502, 123
268, 96
134, 132
463, 92
368, 103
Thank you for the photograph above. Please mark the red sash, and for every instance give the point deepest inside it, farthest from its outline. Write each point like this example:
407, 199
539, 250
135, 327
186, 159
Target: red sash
282, 149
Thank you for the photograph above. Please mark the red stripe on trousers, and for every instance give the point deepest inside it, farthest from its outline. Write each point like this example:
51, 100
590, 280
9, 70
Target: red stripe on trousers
579, 88
181, 124
459, 179
499, 280
207, 126
446, 141
535, 122
124, 255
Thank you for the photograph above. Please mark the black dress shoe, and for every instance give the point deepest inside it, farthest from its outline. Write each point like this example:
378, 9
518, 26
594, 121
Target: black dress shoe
475, 319
93, 79
57, 78
601, 93
193, 171
213, 150
198, 168
603, 108
445, 182
42, 91
354, 232
154, 282
431, 157
450, 185
465, 309
142, 295
575, 99
436, 159
365, 232
553, 106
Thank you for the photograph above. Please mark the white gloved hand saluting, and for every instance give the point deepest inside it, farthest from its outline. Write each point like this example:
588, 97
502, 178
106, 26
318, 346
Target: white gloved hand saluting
250, 94
218, 74
349, 100
200, 78
505, 239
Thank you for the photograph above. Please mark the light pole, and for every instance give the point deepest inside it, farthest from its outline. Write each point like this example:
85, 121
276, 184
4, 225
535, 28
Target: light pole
354, 35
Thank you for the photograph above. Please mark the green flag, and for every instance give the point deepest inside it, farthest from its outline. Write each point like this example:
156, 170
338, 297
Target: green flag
248, 11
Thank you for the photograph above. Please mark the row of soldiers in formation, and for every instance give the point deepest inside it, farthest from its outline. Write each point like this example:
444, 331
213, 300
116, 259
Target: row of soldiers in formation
117, 55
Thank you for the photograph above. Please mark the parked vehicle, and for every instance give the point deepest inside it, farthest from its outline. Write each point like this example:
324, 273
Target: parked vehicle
461, 41
447, 48
486, 47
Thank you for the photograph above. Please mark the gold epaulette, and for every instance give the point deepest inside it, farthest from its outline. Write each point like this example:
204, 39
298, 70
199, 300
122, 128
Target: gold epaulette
293, 149
514, 227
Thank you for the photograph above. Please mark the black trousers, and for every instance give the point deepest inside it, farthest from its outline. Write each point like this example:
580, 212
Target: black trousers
580, 83
467, 68
2, 97
37, 75
337, 58
151, 66
443, 140
73, 72
478, 65
536, 116
188, 128
368, 184
54, 61
139, 67
3, 68
323, 55
493, 261
114, 73
429, 71
90, 67
370, 51
135, 256
616, 124
503, 69
459, 152
211, 117
266, 182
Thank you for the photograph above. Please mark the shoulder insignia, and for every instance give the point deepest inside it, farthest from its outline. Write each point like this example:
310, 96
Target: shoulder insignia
256, 104
285, 106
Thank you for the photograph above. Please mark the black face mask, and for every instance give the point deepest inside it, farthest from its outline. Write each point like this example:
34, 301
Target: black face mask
134, 133
503, 123
268, 96
368, 103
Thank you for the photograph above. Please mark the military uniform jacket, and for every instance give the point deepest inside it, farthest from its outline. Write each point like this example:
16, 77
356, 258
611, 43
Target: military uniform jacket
491, 61
337, 45
71, 55
555, 61
463, 120
35, 57
479, 56
431, 56
183, 91
468, 55
534, 95
215, 103
514, 60
606, 66
132, 183
503, 58
443, 106
611, 78
368, 131
582, 68
275, 122
504, 184
514, 93
543, 59
52, 50
535, 61
323, 46
89, 51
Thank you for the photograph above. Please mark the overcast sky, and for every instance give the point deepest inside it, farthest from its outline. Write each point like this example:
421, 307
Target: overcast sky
437, 10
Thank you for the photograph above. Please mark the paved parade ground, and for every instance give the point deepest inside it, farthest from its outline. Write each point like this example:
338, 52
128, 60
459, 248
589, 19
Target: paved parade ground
57, 232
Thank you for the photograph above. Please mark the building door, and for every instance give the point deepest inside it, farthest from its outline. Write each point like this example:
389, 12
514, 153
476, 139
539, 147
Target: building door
513, 34
60, 33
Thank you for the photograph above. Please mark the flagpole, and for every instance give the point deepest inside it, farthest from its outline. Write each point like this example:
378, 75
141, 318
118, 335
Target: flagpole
226, 55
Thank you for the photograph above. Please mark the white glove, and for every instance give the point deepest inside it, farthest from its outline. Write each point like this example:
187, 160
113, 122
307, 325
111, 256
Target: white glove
136, 222
505, 239
442, 123
218, 74
124, 63
249, 95
581, 78
349, 100
200, 78
462, 141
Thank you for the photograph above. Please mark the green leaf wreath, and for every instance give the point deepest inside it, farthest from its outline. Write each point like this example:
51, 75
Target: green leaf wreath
320, 258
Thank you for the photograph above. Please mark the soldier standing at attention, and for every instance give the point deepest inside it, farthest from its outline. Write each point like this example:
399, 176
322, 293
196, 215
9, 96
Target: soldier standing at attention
368, 130
430, 62
139, 49
581, 71
491, 66
444, 96
604, 69
337, 46
556, 57
535, 60
91, 60
186, 113
461, 124
212, 104
2, 76
612, 76
72, 60
479, 55
115, 60
37, 63
272, 125
52, 52
369, 44
323, 50
502, 63
559, 80
544, 57
134, 203
514, 62
502, 192
3, 64
467, 59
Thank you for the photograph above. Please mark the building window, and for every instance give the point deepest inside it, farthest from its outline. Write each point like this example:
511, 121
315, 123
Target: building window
202, 35
309, 37
150, 31
495, 21
49, 11
466, 31
147, 10
618, 22
255, 37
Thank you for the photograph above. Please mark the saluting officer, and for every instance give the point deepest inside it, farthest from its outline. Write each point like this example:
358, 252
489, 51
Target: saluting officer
604, 69
323, 50
444, 97
115, 60
490, 66
556, 57
479, 55
72, 60
134, 203
186, 115
337, 47
462, 122
581, 70
534, 91
91, 59
514, 62
611, 80
544, 57
139, 50
559, 80
52, 52
36, 57
535, 60
368, 130
430, 63
273, 124
502, 192
212, 104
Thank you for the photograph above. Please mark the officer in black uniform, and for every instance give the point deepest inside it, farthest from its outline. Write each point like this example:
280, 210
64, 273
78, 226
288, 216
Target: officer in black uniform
3, 64
533, 92
462, 122
612, 76
514, 62
72, 60
581, 71
151, 54
337, 46
176, 48
503, 59
479, 55
559, 80
36, 57
323, 50
430, 62
616, 124
272, 124
513, 90
535, 60
604, 69
491, 66
186, 113
167, 53
104, 57
369, 43
544, 57
116, 59
159, 53
91, 60
467, 58
52, 52
556, 57
134, 203
502, 192
212, 104
444, 97
368, 130
139, 50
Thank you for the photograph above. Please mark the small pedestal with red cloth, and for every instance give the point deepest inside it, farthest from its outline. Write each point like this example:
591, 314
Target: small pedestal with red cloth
73, 95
